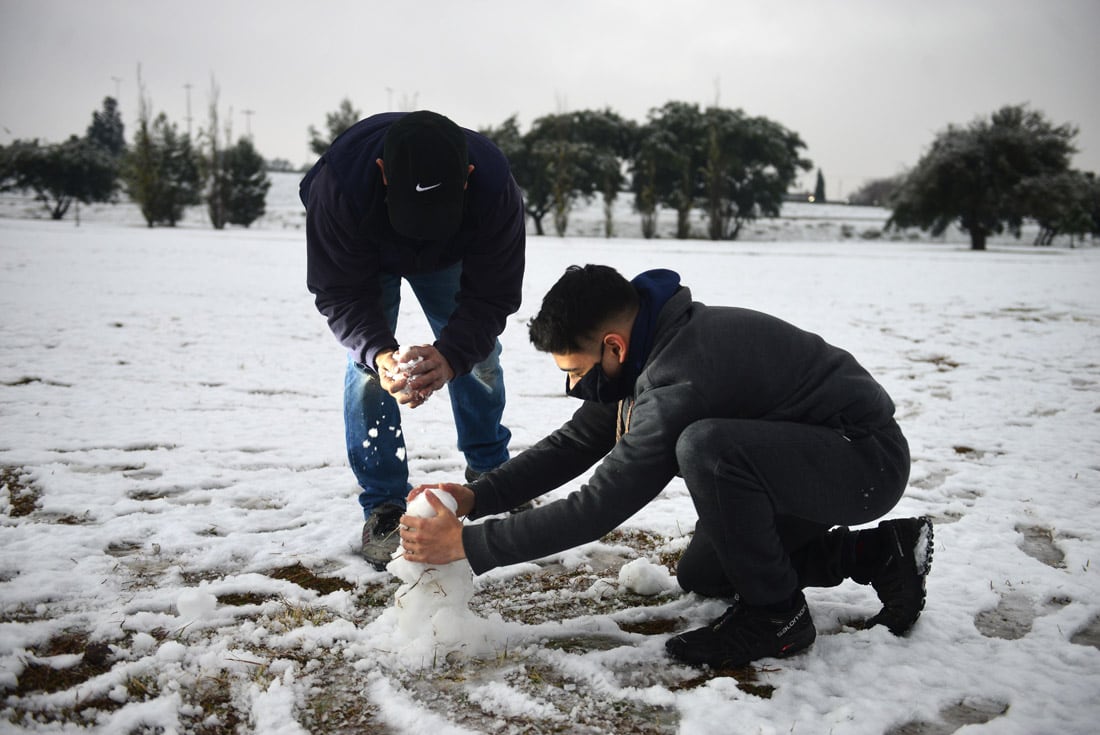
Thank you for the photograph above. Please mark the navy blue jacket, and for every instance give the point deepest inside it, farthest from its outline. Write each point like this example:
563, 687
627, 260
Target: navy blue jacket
349, 242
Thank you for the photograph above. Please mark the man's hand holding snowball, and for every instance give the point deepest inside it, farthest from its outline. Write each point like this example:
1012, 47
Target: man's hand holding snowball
436, 540
412, 375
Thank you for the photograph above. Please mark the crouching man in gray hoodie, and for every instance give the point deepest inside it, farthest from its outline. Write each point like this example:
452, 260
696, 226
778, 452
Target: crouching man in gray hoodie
781, 439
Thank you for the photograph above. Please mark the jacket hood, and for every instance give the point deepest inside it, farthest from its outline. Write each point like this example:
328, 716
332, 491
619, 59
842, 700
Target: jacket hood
655, 288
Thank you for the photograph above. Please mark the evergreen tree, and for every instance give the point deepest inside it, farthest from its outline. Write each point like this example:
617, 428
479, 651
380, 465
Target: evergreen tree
246, 184
335, 123
182, 184
819, 188
162, 171
107, 130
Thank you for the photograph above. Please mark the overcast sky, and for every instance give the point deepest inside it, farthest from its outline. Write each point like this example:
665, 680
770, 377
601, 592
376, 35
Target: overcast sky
866, 83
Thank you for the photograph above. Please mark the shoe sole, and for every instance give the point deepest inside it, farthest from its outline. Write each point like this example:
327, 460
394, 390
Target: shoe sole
923, 546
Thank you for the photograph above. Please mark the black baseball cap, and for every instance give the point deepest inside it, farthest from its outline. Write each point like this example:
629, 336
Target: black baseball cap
426, 163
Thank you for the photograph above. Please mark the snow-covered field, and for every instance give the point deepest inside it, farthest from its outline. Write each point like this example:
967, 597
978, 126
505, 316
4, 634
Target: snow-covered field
178, 526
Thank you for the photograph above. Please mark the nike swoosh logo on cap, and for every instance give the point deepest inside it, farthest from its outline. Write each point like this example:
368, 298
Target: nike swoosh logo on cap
428, 188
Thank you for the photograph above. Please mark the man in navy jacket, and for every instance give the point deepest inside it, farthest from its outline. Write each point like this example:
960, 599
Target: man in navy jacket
414, 197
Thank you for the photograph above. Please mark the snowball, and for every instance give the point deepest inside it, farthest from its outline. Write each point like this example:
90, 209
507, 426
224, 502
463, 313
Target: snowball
643, 577
421, 508
143, 643
171, 651
195, 604
404, 362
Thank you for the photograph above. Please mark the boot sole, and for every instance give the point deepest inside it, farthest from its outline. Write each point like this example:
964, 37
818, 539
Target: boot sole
922, 547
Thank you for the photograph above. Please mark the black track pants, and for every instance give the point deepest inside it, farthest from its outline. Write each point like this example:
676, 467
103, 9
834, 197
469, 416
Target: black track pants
767, 492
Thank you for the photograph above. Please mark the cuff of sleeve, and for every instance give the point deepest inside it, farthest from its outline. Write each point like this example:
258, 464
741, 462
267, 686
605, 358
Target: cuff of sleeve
476, 547
454, 360
371, 353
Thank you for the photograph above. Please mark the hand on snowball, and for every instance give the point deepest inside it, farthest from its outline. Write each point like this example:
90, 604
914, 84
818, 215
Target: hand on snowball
414, 374
463, 495
436, 540
428, 370
390, 375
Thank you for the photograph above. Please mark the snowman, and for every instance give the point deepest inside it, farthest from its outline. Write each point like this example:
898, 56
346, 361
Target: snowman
433, 601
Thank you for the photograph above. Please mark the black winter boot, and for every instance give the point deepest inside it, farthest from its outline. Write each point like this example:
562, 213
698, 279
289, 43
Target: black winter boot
744, 633
906, 558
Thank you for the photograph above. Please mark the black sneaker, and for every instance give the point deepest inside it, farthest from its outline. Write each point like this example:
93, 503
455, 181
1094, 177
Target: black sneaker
743, 634
899, 580
380, 537
472, 475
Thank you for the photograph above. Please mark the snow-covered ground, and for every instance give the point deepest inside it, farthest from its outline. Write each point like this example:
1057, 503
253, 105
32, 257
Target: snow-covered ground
178, 526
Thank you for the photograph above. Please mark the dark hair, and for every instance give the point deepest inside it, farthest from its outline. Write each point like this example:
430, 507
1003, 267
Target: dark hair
575, 308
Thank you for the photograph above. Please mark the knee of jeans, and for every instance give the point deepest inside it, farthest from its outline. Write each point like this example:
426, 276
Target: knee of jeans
488, 372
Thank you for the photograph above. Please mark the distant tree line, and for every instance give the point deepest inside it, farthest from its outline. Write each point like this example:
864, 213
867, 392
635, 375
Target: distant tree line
987, 178
733, 166
163, 170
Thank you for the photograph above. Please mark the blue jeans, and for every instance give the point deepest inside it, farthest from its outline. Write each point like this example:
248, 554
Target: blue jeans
372, 419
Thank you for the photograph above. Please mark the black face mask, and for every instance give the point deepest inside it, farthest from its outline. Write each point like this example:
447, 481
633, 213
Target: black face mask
597, 386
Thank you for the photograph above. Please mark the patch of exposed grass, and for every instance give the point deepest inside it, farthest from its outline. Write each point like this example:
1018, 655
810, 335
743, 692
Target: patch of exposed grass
41, 677
213, 695
293, 615
747, 678
648, 544
376, 595
23, 494
303, 577
556, 593
665, 626
240, 599
576, 708
337, 706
